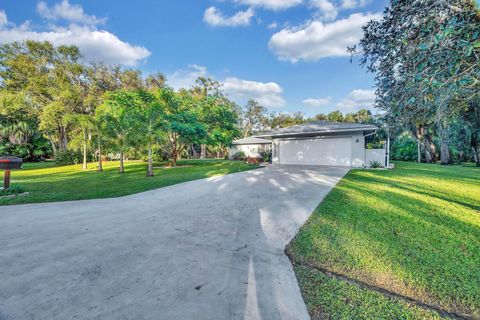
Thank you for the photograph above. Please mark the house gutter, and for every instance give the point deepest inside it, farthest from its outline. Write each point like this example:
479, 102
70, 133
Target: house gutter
314, 132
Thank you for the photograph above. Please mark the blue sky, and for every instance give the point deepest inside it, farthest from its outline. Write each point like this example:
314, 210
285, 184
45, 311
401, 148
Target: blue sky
288, 54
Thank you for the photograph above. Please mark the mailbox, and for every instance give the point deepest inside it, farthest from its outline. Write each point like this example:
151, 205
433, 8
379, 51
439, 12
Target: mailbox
9, 163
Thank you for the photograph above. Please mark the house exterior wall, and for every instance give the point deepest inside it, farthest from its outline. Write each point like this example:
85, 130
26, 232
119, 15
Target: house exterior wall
250, 150
375, 155
358, 146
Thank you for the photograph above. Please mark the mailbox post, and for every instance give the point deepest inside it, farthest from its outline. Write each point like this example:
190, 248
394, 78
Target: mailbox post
9, 163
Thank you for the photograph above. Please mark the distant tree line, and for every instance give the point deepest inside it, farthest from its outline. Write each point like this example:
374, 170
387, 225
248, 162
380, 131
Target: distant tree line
53, 104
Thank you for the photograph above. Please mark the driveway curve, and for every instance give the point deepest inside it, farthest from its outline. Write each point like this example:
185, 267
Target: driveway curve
205, 249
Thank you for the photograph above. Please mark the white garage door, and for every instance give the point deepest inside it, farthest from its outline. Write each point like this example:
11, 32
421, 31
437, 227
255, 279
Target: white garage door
332, 152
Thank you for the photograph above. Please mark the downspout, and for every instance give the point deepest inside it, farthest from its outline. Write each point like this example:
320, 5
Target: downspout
368, 135
388, 150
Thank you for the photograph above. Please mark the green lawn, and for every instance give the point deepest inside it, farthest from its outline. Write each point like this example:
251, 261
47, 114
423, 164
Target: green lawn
414, 231
46, 182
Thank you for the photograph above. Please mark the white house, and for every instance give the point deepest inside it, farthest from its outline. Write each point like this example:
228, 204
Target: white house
322, 143
251, 146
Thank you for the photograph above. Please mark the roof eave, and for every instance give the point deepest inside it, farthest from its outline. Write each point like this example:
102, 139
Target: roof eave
310, 133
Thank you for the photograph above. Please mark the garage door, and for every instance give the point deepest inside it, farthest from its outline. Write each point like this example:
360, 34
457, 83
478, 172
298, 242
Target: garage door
332, 152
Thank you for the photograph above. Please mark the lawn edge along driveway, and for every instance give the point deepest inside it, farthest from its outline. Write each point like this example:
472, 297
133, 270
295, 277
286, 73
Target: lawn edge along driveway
413, 231
46, 182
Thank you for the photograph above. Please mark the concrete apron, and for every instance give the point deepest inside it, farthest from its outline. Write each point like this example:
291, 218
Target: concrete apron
205, 249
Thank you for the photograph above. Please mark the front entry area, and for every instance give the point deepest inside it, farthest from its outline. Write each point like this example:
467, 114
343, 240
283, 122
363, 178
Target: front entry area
328, 152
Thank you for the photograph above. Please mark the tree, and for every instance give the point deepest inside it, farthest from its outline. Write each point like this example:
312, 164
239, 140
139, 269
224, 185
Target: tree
217, 113
121, 121
254, 118
152, 118
425, 54
180, 121
51, 79
284, 119
85, 124
335, 116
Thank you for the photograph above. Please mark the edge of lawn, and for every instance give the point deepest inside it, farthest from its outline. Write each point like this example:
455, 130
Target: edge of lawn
348, 297
18, 200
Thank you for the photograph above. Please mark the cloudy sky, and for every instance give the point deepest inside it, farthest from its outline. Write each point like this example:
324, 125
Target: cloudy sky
290, 55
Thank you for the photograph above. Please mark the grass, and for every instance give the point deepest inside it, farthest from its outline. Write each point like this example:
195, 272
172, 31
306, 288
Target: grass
332, 298
414, 231
47, 183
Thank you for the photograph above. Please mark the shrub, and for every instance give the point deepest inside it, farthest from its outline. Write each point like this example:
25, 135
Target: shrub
266, 156
68, 157
240, 156
375, 164
404, 148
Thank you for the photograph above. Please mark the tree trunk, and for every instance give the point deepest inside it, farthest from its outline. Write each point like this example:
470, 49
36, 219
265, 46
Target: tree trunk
174, 154
419, 151
444, 149
122, 168
203, 149
100, 164
194, 151
150, 162
475, 150
429, 155
84, 166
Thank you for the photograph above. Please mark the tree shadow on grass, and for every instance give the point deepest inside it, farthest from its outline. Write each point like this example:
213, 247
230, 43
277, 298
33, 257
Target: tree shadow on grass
419, 246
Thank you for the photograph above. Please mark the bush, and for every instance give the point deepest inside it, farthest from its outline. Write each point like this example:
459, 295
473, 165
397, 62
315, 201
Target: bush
266, 156
404, 148
375, 164
240, 156
68, 157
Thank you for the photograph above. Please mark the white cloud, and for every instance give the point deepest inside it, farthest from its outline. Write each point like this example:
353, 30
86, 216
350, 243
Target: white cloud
214, 17
185, 78
327, 9
356, 100
69, 12
272, 25
317, 40
352, 4
3, 19
317, 102
271, 4
267, 94
95, 45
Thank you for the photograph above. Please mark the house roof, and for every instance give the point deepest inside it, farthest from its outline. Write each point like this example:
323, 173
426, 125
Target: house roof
252, 140
318, 127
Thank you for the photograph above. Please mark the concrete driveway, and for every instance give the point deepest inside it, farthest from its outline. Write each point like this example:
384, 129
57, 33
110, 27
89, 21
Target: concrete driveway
206, 249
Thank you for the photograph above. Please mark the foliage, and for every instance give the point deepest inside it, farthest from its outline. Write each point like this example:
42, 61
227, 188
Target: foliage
416, 225
13, 189
425, 55
254, 118
404, 148
68, 157
266, 156
375, 164
239, 156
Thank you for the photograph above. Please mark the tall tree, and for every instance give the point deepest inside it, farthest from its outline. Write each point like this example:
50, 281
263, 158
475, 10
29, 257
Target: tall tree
180, 121
122, 121
425, 54
254, 118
